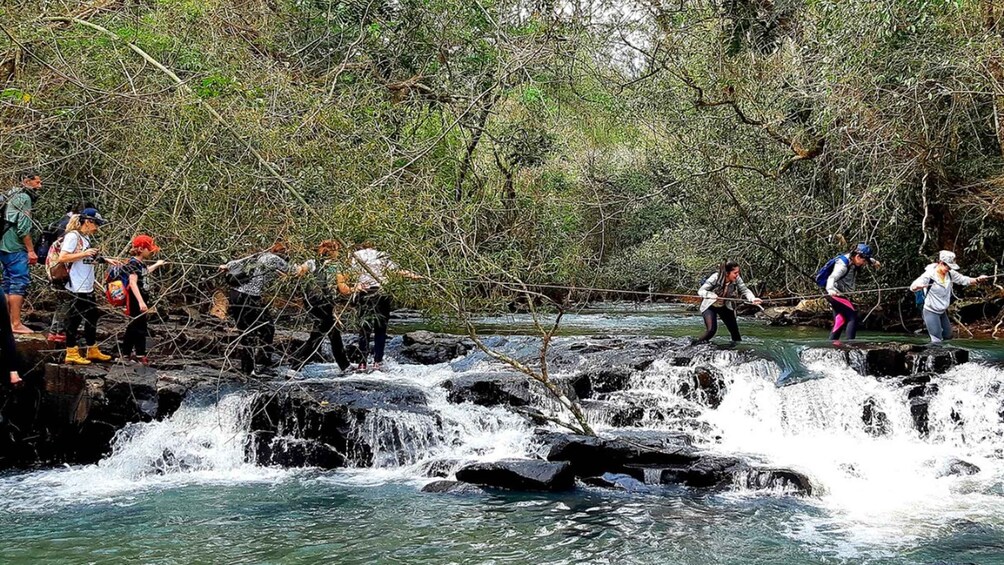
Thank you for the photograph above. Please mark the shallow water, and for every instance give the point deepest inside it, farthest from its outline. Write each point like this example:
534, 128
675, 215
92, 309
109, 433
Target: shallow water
882, 499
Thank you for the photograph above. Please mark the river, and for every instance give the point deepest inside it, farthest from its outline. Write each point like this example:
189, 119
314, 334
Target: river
882, 499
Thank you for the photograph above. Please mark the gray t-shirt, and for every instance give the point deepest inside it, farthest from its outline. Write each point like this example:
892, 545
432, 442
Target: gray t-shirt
81, 270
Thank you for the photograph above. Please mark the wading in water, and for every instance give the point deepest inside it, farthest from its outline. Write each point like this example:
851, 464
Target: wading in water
838, 276
78, 253
720, 292
321, 298
249, 277
937, 283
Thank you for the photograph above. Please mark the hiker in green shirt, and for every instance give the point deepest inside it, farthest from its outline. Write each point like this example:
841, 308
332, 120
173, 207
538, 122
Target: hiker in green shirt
16, 249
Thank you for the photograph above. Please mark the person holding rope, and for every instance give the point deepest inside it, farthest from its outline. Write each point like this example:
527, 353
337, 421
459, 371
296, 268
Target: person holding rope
937, 282
721, 292
137, 297
838, 276
81, 256
328, 283
249, 276
371, 266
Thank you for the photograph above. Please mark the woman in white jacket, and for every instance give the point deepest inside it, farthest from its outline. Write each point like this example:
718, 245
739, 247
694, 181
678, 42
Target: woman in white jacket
937, 282
721, 292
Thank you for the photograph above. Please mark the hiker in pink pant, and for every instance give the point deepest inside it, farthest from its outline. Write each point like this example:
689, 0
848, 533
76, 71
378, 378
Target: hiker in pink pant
841, 280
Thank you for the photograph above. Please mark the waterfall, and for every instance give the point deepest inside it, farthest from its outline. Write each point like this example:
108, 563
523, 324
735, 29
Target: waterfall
203, 442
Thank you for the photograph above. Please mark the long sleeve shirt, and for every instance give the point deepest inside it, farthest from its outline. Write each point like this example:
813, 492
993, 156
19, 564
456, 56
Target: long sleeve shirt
939, 292
711, 292
844, 275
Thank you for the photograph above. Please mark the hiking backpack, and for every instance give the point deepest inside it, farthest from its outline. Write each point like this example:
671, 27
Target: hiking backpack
5, 199
823, 275
57, 273
117, 286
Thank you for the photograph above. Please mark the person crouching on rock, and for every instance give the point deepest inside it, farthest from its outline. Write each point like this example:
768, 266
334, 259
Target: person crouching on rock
937, 282
250, 313
81, 257
841, 280
138, 297
721, 292
9, 359
328, 283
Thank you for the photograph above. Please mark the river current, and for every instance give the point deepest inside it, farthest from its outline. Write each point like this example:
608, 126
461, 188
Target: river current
884, 499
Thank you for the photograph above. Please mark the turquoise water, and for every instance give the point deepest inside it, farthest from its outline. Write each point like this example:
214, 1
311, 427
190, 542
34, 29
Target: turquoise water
880, 502
314, 519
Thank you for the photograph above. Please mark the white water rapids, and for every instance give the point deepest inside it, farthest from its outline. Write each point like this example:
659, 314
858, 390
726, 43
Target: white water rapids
876, 491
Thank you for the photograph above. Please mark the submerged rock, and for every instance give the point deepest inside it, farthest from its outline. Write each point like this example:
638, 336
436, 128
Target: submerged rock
875, 420
520, 474
706, 385
429, 348
721, 472
956, 468
620, 481
452, 487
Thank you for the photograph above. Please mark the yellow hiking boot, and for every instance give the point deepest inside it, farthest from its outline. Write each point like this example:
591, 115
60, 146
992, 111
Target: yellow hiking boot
73, 357
94, 354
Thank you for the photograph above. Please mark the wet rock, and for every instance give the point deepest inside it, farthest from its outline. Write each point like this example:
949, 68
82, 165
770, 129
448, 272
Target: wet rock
875, 420
706, 385
439, 467
452, 487
956, 468
354, 418
721, 472
604, 381
759, 478
592, 456
428, 348
271, 449
900, 360
616, 481
616, 414
920, 398
520, 474
490, 389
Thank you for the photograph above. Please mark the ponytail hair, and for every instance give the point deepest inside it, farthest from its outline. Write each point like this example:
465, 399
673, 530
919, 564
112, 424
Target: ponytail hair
74, 223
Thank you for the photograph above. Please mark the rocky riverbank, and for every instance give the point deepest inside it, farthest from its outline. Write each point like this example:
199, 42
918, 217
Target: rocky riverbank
70, 415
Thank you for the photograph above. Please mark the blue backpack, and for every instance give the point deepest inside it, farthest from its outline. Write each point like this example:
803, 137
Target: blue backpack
823, 275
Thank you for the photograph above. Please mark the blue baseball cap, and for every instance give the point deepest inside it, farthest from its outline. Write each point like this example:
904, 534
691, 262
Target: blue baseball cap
92, 215
864, 250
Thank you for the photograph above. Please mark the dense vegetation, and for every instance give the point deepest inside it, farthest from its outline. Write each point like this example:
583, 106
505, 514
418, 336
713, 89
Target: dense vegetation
617, 144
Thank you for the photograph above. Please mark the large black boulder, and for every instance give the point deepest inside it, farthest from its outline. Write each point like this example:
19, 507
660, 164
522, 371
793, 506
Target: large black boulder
429, 348
334, 413
723, 472
520, 474
591, 456
491, 389
886, 360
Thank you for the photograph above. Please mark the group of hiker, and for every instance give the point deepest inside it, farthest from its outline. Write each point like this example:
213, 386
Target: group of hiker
338, 276
70, 262
723, 290
336, 273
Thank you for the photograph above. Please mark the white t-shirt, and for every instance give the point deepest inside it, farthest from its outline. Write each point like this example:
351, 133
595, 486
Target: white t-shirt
377, 262
81, 270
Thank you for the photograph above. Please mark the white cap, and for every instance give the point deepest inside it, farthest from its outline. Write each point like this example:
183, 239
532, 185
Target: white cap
948, 258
